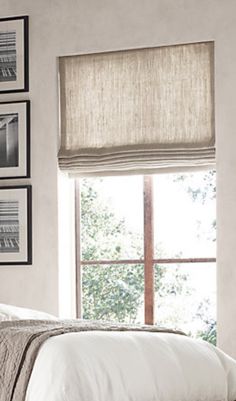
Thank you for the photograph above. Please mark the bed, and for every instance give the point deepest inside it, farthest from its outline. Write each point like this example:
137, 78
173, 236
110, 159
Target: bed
92, 361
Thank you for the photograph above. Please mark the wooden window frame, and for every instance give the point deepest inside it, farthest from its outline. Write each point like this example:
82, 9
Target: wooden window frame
148, 261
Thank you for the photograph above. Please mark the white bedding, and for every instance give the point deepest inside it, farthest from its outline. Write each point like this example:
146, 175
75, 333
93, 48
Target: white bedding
137, 366
12, 312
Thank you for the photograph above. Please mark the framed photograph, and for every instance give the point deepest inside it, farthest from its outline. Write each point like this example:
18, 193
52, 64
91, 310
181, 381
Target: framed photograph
16, 225
14, 60
15, 140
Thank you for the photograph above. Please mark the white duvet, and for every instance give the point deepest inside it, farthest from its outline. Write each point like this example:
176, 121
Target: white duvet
125, 366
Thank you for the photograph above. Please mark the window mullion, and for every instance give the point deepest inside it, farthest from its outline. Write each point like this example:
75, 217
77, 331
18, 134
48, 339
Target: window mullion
148, 249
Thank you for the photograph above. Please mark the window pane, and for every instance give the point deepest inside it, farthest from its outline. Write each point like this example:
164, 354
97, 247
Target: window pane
185, 215
185, 298
112, 218
113, 293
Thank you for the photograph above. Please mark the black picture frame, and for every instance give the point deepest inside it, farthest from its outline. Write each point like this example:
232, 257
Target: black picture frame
14, 57
16, 225
15, 139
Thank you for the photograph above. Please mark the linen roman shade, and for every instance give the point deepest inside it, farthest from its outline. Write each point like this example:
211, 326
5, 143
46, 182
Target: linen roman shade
137, 111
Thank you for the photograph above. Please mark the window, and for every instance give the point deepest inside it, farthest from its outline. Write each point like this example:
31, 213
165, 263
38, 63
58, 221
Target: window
160, 116
146, 250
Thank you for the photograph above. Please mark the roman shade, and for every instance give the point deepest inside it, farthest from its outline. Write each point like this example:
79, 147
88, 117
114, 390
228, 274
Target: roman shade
137, 111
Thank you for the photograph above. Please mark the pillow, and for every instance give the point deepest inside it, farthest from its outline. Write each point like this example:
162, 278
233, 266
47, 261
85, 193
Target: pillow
10, 312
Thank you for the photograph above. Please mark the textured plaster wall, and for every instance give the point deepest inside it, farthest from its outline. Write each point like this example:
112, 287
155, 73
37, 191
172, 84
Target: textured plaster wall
62, 27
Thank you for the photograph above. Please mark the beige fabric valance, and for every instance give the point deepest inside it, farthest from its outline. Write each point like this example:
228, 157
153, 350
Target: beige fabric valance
137, 111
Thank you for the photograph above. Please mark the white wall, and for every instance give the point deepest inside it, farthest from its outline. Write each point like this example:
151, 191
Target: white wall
63, 27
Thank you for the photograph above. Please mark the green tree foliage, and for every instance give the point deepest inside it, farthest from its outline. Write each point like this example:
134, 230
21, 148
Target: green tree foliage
110, 292
113, 292
209, 334
203, 194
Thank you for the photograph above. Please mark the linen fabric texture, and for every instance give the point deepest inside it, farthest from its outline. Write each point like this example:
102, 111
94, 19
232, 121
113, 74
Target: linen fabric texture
137, 111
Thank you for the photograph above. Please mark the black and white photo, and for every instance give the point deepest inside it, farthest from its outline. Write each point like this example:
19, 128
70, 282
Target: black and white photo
14, 139
9, 226
15, 225
14, 54
9, 140
7, 56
